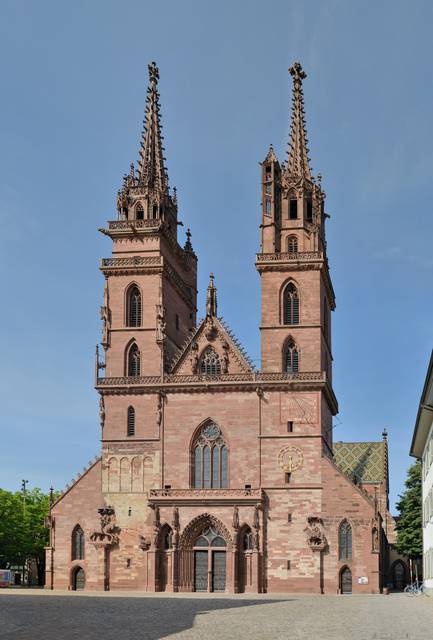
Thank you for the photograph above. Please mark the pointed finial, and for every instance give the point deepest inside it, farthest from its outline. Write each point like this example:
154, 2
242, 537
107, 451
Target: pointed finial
174, 198
211, 300
151, 170
298, 161
297, 72
385, 434
153, 72
271, 157
188, 245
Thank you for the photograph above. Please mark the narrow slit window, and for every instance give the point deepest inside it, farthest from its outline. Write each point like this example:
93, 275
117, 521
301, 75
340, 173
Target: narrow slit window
293, 209
130, 428
309, 210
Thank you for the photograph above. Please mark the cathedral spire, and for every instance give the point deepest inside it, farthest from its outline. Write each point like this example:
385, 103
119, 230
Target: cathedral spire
151, 170
211, 299
297, 160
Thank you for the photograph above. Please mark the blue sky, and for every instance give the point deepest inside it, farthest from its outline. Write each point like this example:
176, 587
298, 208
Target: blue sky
73, 80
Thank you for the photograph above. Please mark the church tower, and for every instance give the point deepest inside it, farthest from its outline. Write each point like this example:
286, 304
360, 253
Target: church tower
297, 294
149, 305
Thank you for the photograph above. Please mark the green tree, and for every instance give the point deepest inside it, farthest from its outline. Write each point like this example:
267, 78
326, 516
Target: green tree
23, 535
409, 524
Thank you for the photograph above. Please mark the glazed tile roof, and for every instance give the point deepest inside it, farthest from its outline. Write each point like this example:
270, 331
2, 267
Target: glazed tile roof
361, 461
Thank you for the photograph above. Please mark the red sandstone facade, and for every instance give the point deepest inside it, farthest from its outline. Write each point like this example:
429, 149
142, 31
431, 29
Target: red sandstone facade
214, 476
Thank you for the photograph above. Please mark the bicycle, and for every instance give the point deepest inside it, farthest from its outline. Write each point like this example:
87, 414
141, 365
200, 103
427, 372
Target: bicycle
414, 589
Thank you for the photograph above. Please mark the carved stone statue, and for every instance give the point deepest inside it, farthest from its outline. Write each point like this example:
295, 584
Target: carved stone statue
235, 518
315, 534
160, 323
225, 358
109, 533
194, 357
176, 527
106, 318
375, 539
160, 408
102, 411
256, 527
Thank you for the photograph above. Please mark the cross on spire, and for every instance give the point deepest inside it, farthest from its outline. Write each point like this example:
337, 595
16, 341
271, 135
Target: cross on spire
151, 170
298, 161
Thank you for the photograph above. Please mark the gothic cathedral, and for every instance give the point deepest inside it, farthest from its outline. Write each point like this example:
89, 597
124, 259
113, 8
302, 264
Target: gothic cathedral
213, 475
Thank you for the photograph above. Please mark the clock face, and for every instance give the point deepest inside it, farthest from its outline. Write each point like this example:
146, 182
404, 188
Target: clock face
290, 459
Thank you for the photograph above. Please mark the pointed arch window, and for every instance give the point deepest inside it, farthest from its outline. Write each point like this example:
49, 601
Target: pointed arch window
291, 305
78, 543
210, 459
139, 212
291, 357
292, 244
134, 361
345, 541
130, 426
133, 312
210, 364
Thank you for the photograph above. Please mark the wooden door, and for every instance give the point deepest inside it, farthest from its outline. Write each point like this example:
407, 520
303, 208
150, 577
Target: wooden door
79, 579
218, 571
346, 580
200, 570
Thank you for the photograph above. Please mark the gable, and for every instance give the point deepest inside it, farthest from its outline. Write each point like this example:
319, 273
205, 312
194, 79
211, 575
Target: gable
212, 335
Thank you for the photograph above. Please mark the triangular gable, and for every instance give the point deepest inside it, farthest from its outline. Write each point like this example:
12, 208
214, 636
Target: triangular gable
211, 332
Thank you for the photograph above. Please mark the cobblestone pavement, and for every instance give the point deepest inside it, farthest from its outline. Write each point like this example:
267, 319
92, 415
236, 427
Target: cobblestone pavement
48, 616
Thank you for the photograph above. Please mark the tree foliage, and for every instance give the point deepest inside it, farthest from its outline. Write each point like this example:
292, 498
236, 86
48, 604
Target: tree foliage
23, 535
409, 524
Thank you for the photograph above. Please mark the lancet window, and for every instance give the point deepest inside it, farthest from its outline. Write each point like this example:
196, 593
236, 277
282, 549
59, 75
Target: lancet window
134, 361
133, 311
78, 543
345, 541
130, 425
139, 212
210, 364
291, 357
291, 305
210, 459
292, 244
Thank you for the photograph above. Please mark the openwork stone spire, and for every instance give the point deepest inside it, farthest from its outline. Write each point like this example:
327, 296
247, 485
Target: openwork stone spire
211, 299
297, 161
151, 169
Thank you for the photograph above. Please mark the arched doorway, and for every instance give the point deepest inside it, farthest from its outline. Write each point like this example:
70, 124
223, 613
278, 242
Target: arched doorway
244, 568
201, 562
399, 575
345, 580
78, 579
210, 561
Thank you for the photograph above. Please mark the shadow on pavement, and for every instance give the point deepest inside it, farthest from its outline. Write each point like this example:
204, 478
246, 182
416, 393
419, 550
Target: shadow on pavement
89, 618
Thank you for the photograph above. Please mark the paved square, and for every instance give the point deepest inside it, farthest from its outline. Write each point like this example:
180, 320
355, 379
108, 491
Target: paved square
44, 615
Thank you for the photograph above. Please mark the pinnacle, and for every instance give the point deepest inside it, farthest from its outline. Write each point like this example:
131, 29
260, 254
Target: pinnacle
298, 161
211, 299
151, 170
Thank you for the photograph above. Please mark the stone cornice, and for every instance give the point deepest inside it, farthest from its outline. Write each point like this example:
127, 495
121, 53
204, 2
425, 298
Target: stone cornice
300, 261
248, 382
139, 265
214, 497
